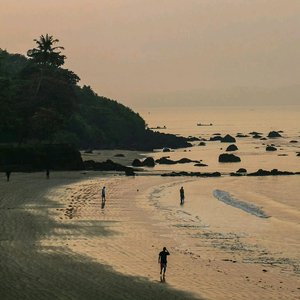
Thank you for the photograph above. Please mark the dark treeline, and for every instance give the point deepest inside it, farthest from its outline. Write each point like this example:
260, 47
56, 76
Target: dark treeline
42, 103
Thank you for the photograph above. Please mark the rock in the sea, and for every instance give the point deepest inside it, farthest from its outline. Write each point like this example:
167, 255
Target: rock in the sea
241, 170
257, 136
240, 135
120, 155
200, 165
274, 134
166, 150
262, 172
294, 141
228, 139
137, 163
228, 158
232, 148
271, 148
216, 138
202, 144
149, 162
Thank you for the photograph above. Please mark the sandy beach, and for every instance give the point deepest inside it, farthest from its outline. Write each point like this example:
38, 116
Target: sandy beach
59, 242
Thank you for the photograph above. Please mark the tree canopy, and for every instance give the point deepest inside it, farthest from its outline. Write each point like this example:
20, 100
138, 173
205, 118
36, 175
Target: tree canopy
41, 102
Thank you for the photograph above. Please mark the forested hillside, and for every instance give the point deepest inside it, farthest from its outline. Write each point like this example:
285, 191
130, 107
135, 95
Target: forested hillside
42, 103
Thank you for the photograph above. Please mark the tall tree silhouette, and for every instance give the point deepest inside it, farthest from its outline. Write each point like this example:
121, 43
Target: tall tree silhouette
45, 55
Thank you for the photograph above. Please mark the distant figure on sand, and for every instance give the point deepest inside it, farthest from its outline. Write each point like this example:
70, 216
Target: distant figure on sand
8, 174
103, 194
47, 173
162, 259
181, 195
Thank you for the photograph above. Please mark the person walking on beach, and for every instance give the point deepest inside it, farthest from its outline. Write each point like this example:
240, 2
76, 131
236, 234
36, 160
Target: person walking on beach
103, 194
181, 195
8, 174
47, 173
162, 259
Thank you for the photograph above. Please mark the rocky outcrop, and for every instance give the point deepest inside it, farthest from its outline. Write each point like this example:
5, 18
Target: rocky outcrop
193, 174
262, 172
166, 161
166, 150
232, 148
54, 157
271, 148
240, 135
120, 155
157, 140
225, 157
148, 162
108, 165
202, 144
228, 139
241, 170
274, 134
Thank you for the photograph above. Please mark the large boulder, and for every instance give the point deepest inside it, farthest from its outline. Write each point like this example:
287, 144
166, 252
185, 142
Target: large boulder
228, 139
225, 157
232, 148
216, 138
149, 162
274, 134
137, 163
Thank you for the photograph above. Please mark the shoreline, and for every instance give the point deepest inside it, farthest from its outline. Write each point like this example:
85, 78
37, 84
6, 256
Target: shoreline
123, 238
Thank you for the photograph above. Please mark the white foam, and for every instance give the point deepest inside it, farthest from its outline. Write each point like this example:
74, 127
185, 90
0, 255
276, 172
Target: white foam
247, 207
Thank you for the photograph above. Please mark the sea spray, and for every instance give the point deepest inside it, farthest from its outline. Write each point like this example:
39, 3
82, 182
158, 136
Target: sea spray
247, 207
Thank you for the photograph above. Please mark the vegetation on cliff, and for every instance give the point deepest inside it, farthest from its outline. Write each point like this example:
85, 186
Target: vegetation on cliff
42, 103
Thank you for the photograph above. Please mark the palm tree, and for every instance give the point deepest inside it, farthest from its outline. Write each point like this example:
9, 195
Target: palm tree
45, 54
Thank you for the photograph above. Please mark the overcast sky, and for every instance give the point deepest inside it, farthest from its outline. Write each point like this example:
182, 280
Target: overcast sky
126, 47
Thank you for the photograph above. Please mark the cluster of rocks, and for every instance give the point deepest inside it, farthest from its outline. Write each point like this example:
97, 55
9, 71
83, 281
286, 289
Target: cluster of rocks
261, 172
149, 162
193, 174
108, 165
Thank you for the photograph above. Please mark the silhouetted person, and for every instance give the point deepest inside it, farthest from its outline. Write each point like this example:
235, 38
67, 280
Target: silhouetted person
162, 259
181, 195
47, 173
103, 194
8, 174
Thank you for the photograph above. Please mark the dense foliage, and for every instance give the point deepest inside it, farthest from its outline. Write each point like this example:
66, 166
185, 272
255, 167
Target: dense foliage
42, 103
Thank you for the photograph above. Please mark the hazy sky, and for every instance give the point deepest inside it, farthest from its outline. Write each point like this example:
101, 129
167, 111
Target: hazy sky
126, 47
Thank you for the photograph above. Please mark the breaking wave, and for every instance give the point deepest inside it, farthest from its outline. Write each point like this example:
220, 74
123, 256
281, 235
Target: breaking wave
247, 207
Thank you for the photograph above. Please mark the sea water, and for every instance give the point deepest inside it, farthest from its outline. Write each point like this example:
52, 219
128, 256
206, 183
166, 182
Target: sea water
251, 206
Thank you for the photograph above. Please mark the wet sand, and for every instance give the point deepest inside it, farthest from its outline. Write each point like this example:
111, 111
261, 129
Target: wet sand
58, 241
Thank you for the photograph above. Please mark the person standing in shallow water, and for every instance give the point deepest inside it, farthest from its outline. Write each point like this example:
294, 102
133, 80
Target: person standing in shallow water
181, 195
162, 259
103, 194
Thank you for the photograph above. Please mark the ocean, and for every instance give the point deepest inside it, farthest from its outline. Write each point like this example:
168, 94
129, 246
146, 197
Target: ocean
250, 210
